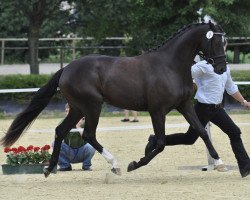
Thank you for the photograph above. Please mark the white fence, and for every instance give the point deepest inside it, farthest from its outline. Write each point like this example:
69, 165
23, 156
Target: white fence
35, 89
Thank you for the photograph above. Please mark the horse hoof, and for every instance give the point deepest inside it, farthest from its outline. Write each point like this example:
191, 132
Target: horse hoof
46, 172
116, 171
132, 166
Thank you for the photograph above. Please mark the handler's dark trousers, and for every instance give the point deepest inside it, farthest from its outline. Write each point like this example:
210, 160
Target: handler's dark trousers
217, 115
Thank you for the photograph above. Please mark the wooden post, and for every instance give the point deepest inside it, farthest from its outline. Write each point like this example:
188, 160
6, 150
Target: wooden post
74, 49
2, 52
61, 57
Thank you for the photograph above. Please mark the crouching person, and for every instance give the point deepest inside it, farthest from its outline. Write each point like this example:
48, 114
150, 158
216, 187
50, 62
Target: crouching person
75, 150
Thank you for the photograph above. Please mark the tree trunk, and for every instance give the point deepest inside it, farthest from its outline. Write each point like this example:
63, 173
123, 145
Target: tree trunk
33, 42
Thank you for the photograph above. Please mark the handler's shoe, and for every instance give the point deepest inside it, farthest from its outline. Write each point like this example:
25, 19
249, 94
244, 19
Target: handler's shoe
246, 170
65, 169
151, 144
125, 120
221, 168
86, 169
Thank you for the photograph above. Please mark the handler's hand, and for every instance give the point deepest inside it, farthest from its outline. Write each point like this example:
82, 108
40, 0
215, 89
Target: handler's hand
247, 105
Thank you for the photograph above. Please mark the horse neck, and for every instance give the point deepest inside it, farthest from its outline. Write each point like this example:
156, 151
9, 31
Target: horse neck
183, 49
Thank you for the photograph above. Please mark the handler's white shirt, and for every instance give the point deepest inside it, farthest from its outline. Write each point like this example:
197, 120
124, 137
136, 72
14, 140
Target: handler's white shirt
211, 86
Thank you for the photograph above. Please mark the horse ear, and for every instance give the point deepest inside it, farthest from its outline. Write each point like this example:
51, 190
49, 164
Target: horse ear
211, 25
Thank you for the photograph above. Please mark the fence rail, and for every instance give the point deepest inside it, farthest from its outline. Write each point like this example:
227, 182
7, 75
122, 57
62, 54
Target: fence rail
233, 41
35, 89
71, 47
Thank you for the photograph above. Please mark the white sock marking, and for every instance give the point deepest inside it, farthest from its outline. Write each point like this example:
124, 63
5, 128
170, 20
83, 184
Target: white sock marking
110, 158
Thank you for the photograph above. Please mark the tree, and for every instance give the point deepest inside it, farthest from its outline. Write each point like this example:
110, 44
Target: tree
101, 19
234, 17
153, 21
148, 22
36, 12
29, 17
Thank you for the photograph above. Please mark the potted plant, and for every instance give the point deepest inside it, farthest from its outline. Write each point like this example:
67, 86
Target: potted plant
30, 160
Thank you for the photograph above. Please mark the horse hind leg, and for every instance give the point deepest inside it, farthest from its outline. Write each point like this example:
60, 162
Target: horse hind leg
187, 110
61, 131
158, 120
89, 135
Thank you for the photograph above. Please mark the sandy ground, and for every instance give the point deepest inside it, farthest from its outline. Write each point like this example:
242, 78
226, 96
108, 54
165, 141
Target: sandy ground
160, 179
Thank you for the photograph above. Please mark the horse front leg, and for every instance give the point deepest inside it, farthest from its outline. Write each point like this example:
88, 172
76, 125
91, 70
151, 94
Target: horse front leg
158, 121
187, 110
89, 135
61, 131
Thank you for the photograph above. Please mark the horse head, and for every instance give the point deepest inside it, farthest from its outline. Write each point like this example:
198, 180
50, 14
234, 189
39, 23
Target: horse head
212, 47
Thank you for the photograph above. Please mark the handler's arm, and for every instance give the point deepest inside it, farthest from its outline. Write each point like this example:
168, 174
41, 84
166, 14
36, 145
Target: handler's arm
241, 99
233, 90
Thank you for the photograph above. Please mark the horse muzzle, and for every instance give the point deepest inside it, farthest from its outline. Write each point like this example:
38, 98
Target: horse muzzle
219, 64
220, 69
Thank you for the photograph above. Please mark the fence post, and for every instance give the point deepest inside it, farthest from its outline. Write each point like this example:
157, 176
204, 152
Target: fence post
74, 49
2, 52
61, 57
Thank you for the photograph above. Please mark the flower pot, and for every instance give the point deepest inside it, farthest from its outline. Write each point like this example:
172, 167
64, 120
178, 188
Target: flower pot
25, 169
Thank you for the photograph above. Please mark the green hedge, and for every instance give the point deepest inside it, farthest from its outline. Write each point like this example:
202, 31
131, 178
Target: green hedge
23, 81
36, 81
242, 76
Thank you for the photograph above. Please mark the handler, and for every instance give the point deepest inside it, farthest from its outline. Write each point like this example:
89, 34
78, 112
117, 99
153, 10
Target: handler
209, 95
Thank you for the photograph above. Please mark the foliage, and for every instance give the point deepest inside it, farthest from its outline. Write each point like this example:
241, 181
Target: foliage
103, 18
240, 75
29, 17
152, 22
148, 22
23, 81
233, 15
29, 155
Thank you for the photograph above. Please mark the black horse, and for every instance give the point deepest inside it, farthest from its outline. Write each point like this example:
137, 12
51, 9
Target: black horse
157, 81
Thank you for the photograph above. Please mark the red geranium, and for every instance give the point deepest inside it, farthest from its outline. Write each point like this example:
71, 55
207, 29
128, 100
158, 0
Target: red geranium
45, 148
36, 148
29, 155
21, 149
30, 147
7, 150
14, 150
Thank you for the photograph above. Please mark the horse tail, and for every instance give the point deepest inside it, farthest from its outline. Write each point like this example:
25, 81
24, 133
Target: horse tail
27, 116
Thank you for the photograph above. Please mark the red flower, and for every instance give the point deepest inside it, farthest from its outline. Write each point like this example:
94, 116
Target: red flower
45, 147
21, 149
36, 148
7, 150
29, 155
30, 147
14, 150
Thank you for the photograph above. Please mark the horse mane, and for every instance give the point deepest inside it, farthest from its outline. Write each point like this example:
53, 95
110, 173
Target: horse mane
178, 33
